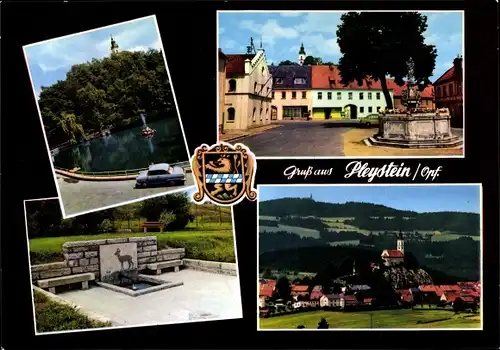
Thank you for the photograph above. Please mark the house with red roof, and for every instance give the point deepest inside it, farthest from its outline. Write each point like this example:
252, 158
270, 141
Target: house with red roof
316, 293
449, 92
266, 291
406, 295
247, 101
299, 290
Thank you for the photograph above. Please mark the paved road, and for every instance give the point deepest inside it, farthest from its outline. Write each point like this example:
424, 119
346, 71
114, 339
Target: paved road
82, 196
305, 139
296, 139
204, 296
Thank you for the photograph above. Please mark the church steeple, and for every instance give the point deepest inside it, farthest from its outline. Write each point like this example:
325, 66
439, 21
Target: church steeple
302, 54
114, 45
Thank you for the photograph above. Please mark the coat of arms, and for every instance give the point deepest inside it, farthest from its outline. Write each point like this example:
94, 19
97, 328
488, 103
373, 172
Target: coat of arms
224, 173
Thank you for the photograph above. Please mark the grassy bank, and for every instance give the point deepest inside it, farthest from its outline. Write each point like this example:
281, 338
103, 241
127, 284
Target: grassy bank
205, 244
379, 319
52, 316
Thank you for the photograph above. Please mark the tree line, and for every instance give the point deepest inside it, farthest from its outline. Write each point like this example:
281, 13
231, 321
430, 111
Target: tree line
104, 93
369, 216
44, 217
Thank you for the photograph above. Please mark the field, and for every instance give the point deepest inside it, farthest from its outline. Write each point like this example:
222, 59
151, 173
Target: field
406, 318
211, 241
301, 231
337, 224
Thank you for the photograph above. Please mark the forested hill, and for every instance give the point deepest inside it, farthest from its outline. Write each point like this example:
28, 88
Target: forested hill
370, 216
112, 91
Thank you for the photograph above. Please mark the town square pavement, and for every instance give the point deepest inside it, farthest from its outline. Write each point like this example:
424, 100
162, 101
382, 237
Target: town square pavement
303, 139
81, 196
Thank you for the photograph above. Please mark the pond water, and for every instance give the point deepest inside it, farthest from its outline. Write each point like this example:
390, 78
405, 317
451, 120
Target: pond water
128, 149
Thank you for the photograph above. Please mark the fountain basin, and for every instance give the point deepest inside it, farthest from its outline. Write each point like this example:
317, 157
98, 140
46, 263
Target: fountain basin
141, 285
415, 130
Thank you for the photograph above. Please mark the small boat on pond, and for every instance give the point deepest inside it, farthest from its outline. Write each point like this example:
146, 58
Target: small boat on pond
147, 131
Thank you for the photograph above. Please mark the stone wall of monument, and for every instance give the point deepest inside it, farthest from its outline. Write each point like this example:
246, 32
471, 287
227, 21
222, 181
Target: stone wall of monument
211, 266
83, 256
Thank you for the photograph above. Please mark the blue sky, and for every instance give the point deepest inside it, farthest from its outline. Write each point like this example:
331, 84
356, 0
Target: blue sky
49, 61
414, 198
282, 33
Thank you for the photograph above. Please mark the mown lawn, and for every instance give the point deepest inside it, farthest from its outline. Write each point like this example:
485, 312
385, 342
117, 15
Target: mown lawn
51, 316
204, 244
380, 319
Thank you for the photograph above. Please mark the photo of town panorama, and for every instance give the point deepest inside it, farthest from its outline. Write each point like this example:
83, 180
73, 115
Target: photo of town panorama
369, 257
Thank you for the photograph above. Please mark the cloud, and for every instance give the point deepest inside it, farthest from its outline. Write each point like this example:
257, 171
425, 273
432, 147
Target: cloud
270, 31
291, 14
317, 22
432, 39
64, 52
222, 30
227, 43
319, 45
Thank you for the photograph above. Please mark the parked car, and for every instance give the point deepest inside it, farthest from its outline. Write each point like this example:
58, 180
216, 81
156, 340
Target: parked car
369, 120
161, 174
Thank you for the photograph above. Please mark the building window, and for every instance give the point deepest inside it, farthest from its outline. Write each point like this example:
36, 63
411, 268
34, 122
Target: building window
451, 89
261, 114
254, 87
349, 95
299, 81
438, 91
232, 85
361, 96
304, 94
272, 94
370, 109
339, 95
445, 91
378, 95
253, 115
230, 114
294, 94
320, 95
292, 112
278, 81
283, 95
267, 113
262, 71
378, 108
369, 95
329, 95
362, 109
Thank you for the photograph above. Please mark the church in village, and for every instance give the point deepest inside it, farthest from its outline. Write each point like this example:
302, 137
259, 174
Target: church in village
394, 256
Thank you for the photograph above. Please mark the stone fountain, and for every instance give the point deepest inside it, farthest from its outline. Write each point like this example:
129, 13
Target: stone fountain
413, 126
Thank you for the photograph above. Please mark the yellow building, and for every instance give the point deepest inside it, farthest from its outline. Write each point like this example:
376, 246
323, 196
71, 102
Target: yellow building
247, 101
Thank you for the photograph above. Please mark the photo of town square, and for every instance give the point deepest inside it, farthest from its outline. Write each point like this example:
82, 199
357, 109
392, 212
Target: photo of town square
325, 84
370, 257
109, 115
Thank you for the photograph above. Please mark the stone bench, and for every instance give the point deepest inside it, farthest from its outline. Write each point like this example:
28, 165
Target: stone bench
159, 266
52, 283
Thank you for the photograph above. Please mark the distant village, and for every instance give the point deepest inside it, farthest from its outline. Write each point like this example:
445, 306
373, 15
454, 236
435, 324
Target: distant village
461, 296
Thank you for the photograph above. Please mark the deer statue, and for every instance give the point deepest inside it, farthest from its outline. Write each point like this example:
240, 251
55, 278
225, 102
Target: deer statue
124, 258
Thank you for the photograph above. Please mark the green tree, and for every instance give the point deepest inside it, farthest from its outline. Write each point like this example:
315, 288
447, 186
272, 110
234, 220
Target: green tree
127, 212
313, 61
287, 63
70, 127
283, 288
177, 203
301, 326
376, 45
268, 275
166, 218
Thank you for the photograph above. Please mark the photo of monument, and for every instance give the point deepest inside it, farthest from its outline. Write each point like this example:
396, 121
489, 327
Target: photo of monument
165, 260
109, 116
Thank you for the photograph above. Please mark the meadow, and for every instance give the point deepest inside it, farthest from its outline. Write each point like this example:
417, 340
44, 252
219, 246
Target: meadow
403, 318
202, 240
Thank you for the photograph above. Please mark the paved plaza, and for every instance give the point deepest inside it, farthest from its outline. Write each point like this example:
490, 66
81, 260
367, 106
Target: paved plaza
204, 296
81, 196
327, 139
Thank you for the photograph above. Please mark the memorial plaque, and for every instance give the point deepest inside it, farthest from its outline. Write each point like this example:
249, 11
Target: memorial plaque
115, 258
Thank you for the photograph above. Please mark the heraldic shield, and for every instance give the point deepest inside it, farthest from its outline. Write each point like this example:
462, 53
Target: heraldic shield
224, 173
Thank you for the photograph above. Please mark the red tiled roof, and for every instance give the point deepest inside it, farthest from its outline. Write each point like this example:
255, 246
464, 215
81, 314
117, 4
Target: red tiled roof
467, 299
299, 288
317, 292
439, 289
393, 254
272, 283
368, 300
451, 296
328, 77
236, 64
403, 291
266, 290
446, 76
407, 297
222, 55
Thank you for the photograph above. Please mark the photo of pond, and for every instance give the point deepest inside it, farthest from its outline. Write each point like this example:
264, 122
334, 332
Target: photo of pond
127, 149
